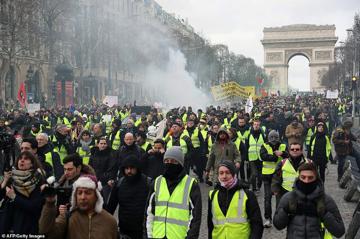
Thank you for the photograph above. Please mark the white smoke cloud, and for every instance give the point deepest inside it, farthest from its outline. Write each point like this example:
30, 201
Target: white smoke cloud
173, 85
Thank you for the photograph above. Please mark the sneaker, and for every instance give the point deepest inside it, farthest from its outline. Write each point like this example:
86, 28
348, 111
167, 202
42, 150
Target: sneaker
268, 223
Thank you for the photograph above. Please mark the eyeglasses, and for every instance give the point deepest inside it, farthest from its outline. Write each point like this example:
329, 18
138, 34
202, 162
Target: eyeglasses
295, 149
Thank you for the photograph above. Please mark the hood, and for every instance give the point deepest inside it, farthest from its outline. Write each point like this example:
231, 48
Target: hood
222, 130
131, 161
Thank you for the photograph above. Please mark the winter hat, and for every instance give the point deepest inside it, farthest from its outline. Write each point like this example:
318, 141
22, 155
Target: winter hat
88, 181
117, 122
176, 123
273, 136
230, 165
130, 161
347, 123
176, 153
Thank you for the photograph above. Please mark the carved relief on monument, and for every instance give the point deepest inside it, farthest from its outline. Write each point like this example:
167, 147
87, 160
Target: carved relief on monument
306, 52
274, 77
322, 55
321, 73
274, 57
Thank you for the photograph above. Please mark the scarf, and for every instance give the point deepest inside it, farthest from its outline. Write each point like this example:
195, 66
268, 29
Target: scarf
85, 145
25, 182
230, 184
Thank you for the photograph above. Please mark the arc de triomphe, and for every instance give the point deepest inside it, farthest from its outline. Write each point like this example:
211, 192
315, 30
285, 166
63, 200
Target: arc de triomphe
316, 43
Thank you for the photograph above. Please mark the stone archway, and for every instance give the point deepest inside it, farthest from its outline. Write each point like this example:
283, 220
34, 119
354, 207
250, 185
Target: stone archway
316, 43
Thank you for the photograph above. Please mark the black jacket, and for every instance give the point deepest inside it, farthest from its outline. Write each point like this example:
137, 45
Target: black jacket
195, 207
104, 164
153, 164
252, 209
130, 196
22, 215
319, 153
302, 214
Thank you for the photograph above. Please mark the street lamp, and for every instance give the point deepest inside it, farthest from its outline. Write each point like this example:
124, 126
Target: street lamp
354, 76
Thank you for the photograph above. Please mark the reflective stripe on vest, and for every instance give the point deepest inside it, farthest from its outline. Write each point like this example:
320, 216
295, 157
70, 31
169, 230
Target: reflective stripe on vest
254, 147
235, 224
269, 167
328, 146
308, 136
172, 216
183, 145
288, 175
194, 137
116, 142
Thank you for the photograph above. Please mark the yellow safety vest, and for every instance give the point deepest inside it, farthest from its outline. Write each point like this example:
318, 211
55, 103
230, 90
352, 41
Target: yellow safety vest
145, 146
254, 147
61, 151
35, 134
289, 175
328, 146
237, 143
116, 142
243, 136
84, 154
327, 234
48, 158
172, 215
269, 167
48, 123
235, 224
309, 134
183, 144
138, 122
67, 122
184, 118
194, 137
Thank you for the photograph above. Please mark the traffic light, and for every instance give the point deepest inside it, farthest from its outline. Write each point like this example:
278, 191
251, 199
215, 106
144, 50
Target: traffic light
354, 80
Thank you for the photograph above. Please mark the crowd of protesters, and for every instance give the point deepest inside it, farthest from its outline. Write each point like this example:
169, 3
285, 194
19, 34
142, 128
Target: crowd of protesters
66, 171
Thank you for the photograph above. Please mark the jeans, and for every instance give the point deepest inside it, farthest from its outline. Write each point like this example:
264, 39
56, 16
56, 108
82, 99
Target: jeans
340, 168
267, 195
255, 167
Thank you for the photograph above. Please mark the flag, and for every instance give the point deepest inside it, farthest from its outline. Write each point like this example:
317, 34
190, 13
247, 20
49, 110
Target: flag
260, 81
249, 105
22, 95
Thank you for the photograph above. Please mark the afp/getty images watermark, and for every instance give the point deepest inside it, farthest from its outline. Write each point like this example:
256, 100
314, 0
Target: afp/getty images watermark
25, 236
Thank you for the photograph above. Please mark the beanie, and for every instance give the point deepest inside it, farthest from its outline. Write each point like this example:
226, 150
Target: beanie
176, 153
230, 165
88, 181
273, 136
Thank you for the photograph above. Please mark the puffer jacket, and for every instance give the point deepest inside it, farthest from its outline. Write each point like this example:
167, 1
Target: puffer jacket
104, 164
303, 221
221, 151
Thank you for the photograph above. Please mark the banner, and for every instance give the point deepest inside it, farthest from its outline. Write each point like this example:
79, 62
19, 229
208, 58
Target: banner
110, 100
32, 108
332, 94
21, 96
230, 89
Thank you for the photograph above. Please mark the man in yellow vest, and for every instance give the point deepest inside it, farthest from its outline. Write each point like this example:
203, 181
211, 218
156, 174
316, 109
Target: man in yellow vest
142, 142
177, 138
310, 131
307, 211
271, 154
286, 171
253, 144
174, 207
51, 157
116, 134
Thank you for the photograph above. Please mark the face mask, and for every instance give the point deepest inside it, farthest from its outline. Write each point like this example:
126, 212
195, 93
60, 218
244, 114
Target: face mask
307, 188
131, 178
172, 171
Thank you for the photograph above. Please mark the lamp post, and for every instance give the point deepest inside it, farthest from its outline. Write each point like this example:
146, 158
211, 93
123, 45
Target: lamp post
354, 76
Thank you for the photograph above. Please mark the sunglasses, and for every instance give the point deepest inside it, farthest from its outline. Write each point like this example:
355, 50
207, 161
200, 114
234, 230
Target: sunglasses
295, 149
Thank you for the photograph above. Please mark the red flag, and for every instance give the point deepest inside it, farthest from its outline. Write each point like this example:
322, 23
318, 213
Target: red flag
22, 94
260, 81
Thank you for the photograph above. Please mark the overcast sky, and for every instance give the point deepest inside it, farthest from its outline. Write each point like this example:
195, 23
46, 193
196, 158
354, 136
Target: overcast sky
239, 24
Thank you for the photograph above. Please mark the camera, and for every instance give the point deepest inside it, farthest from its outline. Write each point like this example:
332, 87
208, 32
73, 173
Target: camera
63, 194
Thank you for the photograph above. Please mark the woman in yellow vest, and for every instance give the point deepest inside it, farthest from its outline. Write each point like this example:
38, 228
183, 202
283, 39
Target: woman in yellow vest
320, 149
307, 211
233, 211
